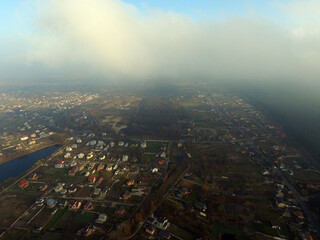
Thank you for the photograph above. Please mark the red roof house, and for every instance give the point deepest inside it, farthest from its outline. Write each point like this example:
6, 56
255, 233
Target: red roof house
92, 179
23, 183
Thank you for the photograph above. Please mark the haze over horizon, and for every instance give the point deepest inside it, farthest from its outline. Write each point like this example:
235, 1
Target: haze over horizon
161, 119
137, 40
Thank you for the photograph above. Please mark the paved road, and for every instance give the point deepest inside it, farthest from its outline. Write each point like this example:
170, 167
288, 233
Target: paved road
96, 200
312, 219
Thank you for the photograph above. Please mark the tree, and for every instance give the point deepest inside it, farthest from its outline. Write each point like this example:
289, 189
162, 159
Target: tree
138, 217
127, 229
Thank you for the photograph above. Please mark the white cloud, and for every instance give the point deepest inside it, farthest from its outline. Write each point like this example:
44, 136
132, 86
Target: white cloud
113, 39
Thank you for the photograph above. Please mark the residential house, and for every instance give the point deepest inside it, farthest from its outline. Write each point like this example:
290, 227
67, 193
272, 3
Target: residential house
23, 183
102, 218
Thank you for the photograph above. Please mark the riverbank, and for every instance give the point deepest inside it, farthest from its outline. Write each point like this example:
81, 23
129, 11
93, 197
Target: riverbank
29, 151
12, 181
9, 171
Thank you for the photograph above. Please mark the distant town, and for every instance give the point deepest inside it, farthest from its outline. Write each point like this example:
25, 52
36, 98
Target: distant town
197, 162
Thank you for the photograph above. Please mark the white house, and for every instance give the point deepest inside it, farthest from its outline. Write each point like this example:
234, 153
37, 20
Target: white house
102, 218
109, 167
69, 149
125, 158
143, 145
23, 138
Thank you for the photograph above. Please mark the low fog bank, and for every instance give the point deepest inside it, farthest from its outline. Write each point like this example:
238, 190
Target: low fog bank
88, 40
295, 106
273, 60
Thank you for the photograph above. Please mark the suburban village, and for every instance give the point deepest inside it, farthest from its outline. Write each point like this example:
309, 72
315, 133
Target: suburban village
116, 171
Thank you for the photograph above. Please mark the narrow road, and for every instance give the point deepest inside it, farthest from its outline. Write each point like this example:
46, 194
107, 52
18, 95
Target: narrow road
36, 214
95, 200
312, 219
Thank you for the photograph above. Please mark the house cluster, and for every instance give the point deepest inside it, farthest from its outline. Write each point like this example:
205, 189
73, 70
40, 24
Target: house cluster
72, 205
97, 150
90, 171
87, 230
290, 210
25, 136
158, 221
157, 224
57, 100
264, 143
182, 197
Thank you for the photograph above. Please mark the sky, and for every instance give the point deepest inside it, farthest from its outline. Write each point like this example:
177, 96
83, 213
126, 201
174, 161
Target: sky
139, 40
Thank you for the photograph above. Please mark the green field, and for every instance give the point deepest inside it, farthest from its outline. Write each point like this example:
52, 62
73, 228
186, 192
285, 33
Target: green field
153, 147
51, 236
84, 218
224, 229
54, 218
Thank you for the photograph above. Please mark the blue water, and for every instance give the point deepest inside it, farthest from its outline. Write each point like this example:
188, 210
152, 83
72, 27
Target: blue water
21, 164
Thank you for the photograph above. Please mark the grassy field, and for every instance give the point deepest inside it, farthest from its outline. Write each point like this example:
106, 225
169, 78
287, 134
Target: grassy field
262, 211
51, 236
153, 147
84, 218
305, 176
55, 218
52, 171
12, 208
217, 229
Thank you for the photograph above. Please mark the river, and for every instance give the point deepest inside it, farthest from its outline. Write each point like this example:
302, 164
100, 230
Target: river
19, 165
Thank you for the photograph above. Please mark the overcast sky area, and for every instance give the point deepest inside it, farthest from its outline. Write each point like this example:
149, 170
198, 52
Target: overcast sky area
139, 40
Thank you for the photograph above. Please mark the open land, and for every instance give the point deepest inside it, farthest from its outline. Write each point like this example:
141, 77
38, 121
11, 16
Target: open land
194, 163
